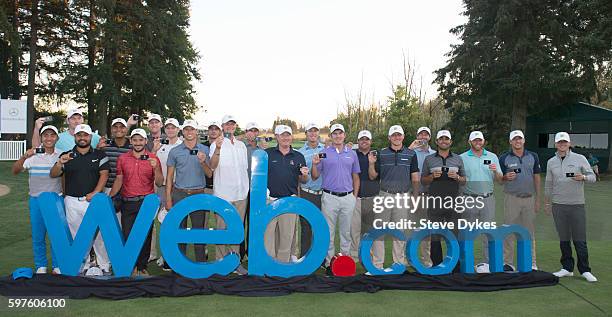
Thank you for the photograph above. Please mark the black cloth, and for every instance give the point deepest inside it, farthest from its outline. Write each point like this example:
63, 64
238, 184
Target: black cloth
129, 211
305, 228
83, 172
284, 171
174, 285
367, 187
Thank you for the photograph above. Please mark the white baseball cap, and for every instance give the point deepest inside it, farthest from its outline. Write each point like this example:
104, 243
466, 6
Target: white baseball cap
562, 136
155, 116
396, 129
49, 127
173, 122
252, 125
229, 118
364, 133
421, 129
476, 135
119, 120
281, 128
189, 123
312, 125
214, 123
516, 133
140, 132
442, 133
83, 128
74, 111
336, 126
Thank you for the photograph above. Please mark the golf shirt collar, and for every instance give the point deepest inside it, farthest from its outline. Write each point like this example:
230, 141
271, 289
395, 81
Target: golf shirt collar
484, 152
277, 149
307, 147
91, 149
398, 151
449, 154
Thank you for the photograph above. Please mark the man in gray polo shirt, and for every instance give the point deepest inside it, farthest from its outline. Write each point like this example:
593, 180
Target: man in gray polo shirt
566, 173
521, 169
398, 169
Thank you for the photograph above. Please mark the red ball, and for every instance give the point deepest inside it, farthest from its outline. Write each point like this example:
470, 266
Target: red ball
343, 265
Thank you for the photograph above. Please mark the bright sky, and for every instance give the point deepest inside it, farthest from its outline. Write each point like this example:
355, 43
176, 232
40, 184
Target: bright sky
297, 59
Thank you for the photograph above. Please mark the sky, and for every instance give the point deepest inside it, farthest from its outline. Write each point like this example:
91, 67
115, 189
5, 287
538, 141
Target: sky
299, 59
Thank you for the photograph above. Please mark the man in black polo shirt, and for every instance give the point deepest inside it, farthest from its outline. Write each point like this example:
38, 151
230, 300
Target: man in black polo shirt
443, 172
285, 167
362, 219
85, 171
398, 169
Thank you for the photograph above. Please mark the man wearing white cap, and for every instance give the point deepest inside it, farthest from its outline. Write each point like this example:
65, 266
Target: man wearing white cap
113, 148
228, 159
566, 173
398, 169
286, 168
522, 194
38, 162
340, 172
442, 173
482, 170
361, 221
138, 171
155, 137
187, 168
66, 138
85, 171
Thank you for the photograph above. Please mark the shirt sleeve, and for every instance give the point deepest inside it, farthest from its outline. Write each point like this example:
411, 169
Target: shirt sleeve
104, 162
171, 158
461, 168
587, 170
95, 139
549, 180
537, 169
496, 160
425, 171
120, 165
356, 168
414, 164
27, 164
502, 163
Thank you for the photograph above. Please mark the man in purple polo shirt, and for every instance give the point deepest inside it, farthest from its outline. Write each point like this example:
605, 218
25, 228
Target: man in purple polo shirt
340, 171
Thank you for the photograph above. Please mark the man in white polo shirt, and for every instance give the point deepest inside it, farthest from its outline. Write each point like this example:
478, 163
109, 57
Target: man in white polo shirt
228, 159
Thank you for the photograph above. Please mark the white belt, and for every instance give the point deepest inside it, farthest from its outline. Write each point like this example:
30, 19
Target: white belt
274, 198
314, 192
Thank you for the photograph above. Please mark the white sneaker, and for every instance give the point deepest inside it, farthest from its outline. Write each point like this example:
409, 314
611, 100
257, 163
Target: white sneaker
56, 271
41, 270
563, 273
105, 269
482, 268
94, 271
294, 259
534, 268
589, 277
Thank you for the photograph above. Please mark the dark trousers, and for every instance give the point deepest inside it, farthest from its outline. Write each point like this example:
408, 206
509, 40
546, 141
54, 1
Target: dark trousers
570, 221
129, 211
197, 222
305, 229
441, 215
244, 246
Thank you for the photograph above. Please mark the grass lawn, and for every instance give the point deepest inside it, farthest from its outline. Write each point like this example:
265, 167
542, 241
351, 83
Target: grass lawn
572, 297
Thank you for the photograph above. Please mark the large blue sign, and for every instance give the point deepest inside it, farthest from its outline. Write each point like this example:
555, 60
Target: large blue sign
100, 218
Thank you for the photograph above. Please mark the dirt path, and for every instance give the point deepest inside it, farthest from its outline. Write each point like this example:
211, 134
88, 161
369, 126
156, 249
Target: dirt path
4, 190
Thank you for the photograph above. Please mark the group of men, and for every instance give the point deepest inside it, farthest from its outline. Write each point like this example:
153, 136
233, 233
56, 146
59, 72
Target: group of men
341, 181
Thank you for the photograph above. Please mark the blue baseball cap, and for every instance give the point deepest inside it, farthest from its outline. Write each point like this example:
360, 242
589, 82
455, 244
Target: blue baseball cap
23, 272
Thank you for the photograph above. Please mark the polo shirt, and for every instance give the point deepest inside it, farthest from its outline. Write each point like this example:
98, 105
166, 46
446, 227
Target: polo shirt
82, 173
443, 185
66, 141
395, 167
150, 140
188, 173
162, 155
308, 153
479, 176
283, 172
338, 168
231, 175
367, 187
39, 167
421, 154
113, 151
209, 180
138, 175
529, 164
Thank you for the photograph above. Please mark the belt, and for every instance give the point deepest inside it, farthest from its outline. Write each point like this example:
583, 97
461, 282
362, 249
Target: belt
78, 198
394, 193
341, 194
522, 195
310, 191
133, 199
479, 195
277, 198
191, 191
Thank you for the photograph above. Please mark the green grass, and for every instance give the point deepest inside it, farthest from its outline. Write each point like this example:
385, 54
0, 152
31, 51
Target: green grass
573, 297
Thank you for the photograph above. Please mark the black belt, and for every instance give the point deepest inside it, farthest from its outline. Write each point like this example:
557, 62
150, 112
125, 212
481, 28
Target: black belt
479, 195
341, 194
522, 195
394, 193
133, 199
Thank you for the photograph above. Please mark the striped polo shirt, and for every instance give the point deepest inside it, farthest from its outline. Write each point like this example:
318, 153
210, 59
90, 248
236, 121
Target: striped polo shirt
113, 151
395, 169
39, 166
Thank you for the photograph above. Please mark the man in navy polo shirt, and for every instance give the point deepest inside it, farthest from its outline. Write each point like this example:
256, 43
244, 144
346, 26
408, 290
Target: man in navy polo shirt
285, 167
340, 172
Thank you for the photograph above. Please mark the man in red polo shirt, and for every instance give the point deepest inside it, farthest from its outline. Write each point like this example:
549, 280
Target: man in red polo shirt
138, 171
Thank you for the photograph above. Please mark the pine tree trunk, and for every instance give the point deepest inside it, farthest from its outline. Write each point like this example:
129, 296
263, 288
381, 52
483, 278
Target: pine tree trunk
15, 92
91, 59
32, 67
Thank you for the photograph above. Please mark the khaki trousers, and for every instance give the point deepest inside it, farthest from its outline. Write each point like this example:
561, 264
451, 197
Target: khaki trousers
279, 236
222, 250
519, 211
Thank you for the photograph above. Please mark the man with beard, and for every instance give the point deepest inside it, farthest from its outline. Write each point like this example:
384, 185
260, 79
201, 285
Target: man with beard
85, 171
138, 171
66, 139
187, 168
38, 162
482, 170
443, 173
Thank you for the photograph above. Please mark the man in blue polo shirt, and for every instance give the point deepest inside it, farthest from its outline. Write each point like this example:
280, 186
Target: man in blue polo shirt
522, 193
286, 166
340, 172
482, 170
66, 139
